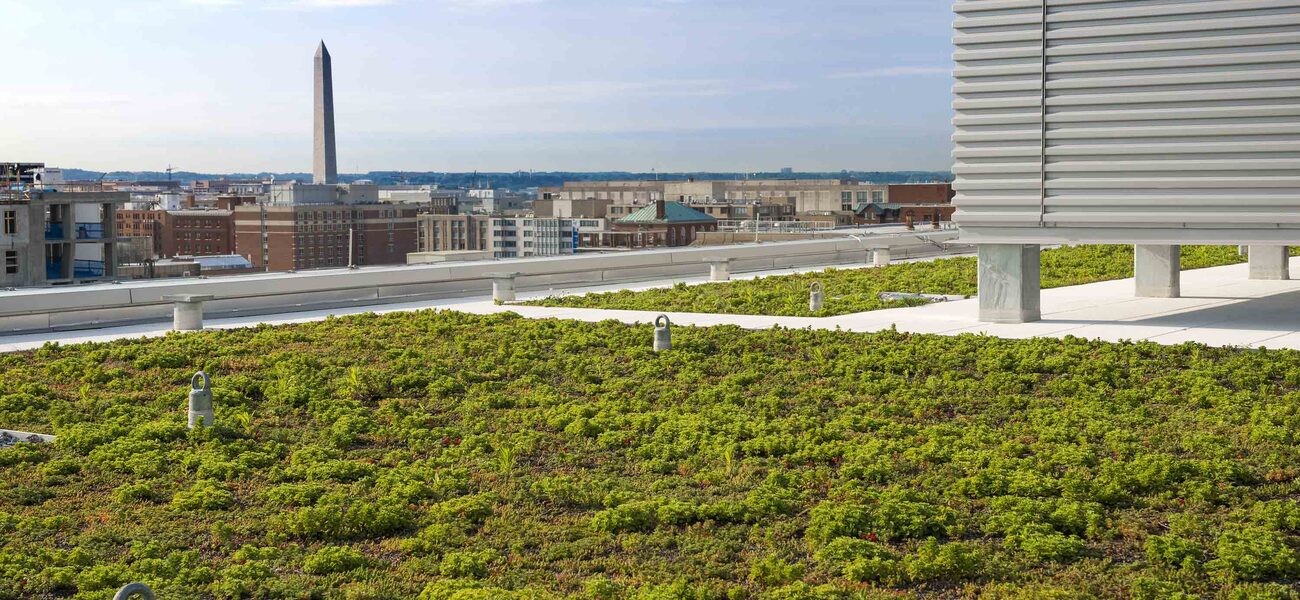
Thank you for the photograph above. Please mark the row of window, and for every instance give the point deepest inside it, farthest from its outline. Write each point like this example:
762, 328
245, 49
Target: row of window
338, 215
876, 196
185, 235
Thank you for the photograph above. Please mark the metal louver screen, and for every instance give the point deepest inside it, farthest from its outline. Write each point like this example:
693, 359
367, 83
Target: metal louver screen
1161, 121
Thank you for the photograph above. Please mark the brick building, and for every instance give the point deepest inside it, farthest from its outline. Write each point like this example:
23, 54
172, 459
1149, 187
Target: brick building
181, 232
912, 203
665, 224
281, 237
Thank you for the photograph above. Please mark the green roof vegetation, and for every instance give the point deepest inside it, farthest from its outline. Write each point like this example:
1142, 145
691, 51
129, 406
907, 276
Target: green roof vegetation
857, 290
674, 212
422, 455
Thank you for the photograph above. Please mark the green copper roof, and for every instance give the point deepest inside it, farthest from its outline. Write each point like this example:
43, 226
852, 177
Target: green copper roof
880, 207
674, 212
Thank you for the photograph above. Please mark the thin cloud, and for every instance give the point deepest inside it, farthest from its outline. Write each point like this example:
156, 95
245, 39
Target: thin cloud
893, 72
488, 3
321, 4
291, 4
584, 92
343, 4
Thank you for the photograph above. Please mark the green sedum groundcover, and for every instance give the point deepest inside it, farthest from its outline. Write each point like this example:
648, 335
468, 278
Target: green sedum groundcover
850, 291
453, 456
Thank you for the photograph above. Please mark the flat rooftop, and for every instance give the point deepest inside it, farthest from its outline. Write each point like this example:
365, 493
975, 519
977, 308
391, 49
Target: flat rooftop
1219, 307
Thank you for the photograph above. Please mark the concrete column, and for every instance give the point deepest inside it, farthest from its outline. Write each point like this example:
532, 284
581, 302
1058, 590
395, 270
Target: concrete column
1157, 270
187, 311
880, 257
503, 286
719, 269
1270, 262
1009, 283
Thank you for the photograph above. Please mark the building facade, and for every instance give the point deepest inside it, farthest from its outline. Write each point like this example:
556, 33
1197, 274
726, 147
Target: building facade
193, 232
503, 235
453, 233
283, 237
54, 237
913, 204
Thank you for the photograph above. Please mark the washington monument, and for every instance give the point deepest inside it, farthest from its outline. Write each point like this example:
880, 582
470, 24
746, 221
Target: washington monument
325, 167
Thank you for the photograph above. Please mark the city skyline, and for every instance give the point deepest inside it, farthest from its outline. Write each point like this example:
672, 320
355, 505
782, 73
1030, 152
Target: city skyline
520, 87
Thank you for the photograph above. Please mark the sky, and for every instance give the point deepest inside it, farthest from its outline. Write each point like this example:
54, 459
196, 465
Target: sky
490, 85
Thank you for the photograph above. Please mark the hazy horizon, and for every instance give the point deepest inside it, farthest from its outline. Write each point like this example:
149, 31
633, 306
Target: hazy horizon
223, 86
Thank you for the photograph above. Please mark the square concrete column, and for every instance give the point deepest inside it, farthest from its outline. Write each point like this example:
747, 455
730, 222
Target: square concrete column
1157, 270
1009, 283
187, 311
719, 268
1270, 262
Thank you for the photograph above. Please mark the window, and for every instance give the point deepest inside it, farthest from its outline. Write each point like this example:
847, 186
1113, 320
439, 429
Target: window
863, 196
11, 222
11, 261
878, 197
846, 197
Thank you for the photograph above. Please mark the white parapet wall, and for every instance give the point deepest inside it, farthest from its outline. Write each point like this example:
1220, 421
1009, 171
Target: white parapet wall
87, 307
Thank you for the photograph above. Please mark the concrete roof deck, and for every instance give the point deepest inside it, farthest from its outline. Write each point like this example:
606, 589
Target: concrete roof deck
1219, 307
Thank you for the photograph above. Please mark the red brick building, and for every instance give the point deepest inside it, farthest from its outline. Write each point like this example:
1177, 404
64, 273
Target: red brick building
313, 236
921, 193
181, 232
912, 203
665, 224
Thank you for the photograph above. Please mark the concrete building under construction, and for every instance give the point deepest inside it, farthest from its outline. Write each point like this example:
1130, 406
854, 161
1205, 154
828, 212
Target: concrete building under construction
49, 236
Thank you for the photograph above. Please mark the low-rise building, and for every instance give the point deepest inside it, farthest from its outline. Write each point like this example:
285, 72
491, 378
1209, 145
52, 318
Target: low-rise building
920, 203
665, 224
